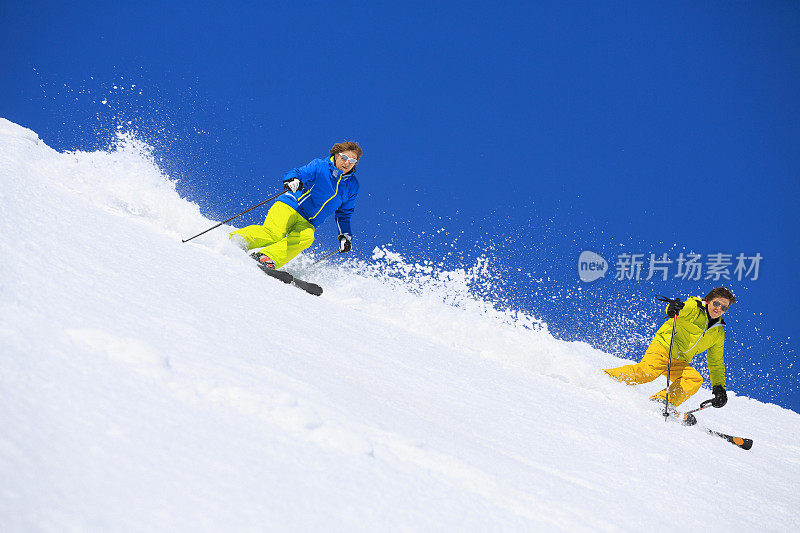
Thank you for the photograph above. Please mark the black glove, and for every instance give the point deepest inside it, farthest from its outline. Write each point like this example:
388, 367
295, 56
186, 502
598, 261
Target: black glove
293, 184
674, 307
720, 396
344, 243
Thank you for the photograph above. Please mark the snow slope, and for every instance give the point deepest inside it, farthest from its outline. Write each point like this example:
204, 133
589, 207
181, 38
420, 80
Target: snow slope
151, 385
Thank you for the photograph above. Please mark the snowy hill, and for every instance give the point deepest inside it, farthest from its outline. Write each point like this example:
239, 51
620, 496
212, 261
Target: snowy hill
150, 385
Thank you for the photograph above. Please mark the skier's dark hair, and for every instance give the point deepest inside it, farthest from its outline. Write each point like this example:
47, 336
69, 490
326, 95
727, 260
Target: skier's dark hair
720, 292
344, 146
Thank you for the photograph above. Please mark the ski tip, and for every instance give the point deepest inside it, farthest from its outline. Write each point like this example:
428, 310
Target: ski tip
741, 442
310, 288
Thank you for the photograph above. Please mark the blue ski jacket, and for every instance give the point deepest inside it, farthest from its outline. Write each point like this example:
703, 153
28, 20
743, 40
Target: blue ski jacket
326, 190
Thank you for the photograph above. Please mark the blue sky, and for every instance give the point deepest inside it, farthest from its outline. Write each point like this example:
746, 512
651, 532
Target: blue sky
525, 131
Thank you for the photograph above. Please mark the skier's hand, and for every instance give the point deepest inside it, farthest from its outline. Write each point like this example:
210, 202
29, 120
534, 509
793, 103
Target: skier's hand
674, 307
344, 243
720, 396
293, 184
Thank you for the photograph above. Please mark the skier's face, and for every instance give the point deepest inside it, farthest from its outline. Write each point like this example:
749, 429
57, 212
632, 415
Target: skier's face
346, 163
715, 307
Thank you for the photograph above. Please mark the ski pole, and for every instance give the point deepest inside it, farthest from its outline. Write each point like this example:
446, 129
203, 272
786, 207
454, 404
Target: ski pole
704, 405
669, 367
327, 256
234, 216
669, 360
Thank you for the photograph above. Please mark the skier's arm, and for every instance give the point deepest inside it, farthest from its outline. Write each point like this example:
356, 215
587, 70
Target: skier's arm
344, 213
716, 362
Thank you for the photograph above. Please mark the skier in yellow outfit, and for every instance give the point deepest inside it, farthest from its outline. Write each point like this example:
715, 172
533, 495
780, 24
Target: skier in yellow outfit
699, 328
313, 192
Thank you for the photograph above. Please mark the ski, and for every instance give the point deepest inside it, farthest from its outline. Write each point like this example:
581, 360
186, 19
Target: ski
741, 442
688, 419
310, 288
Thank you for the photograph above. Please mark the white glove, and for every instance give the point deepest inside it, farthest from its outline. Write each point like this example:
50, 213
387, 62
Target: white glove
344, 243
293, 184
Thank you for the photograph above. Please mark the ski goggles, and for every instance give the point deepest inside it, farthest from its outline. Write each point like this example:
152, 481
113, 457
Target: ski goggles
348, 159
718, 305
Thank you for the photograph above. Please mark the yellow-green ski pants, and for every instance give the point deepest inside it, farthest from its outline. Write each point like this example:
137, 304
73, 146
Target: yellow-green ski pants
683, 379
284, 234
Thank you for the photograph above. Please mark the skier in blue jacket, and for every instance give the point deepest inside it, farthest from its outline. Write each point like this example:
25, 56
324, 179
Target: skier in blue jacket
313, 192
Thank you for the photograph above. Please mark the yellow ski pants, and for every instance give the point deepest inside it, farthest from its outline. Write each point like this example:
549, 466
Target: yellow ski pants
283, 235
683, 379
